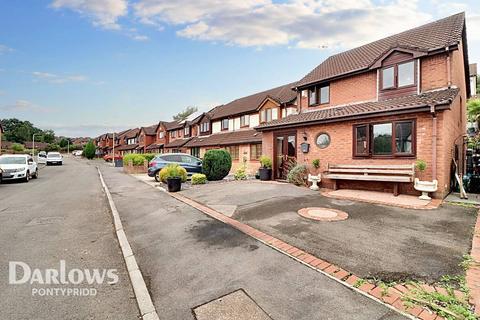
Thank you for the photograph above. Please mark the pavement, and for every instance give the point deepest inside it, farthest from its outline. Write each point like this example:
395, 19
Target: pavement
387, 243
62, 215
189, 259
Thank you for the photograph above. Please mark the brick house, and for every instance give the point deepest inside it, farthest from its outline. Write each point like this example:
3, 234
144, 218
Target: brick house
146, 137
178, 134
231, 126
161, 139
128, 141
392, 101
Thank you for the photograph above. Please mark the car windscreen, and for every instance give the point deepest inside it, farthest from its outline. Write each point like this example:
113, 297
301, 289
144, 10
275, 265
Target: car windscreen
13, 160
53, 155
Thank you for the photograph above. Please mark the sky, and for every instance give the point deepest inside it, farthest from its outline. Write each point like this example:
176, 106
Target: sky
85, 67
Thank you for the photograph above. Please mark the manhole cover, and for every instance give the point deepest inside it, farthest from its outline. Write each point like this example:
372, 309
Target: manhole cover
323, 214
234, 306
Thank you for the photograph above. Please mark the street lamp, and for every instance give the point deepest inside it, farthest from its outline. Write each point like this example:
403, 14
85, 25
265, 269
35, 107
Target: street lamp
33, 143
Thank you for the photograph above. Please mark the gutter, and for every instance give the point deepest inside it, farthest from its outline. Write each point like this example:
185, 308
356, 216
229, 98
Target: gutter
420, 108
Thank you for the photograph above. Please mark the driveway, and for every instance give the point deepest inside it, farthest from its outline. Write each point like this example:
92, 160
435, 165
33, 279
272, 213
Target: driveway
388, 243
189, 259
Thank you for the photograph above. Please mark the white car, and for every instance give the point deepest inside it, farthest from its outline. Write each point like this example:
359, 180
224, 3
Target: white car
77, 153
54, 158
18, 166
42, 157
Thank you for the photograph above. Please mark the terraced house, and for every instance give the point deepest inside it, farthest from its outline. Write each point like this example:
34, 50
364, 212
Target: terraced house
389, 102
231, 126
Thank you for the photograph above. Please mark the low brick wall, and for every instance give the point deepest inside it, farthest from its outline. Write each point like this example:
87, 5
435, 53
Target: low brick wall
131, 169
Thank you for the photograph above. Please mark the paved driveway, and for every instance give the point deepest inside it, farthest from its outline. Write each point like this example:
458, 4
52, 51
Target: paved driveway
189, 259
387, 243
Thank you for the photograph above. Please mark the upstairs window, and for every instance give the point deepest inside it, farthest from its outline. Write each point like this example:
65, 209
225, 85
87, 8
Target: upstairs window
266, 115
398, 76
186, 131
225, 124
173, 134
161, 134
205, 127
245, 121
319, 95
389, 139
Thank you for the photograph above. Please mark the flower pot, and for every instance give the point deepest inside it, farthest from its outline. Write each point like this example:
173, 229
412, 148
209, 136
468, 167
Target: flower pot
174, 184
265, 174
425, 187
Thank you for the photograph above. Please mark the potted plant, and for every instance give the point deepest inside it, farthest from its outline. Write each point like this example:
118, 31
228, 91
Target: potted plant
265, 170
173, 175
424, 186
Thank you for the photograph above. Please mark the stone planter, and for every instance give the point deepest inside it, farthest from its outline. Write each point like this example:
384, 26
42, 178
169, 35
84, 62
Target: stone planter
425, 187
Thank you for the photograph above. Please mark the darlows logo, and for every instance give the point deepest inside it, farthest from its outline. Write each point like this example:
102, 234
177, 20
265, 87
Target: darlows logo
20, 273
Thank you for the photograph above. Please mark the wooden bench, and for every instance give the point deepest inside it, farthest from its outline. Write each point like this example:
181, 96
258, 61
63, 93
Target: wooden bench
383, 173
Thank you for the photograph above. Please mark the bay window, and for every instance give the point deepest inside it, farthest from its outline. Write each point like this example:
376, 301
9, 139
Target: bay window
388, 139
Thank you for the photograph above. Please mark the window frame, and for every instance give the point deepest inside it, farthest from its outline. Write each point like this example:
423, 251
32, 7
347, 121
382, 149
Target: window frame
318, 97
395, 75
258, 155
236, 156
222, 122
204, 127
186, 131
246, 121
369, 154
264, 113
173, 134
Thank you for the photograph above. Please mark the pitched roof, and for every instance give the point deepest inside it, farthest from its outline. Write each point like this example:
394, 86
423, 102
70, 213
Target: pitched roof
177, 143
428, 37
282, 94
132, 133
150, 130
154, 146
127, 147
174, 125
227, 138
366, 109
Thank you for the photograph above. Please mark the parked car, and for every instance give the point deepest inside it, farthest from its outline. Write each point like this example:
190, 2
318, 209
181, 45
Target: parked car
1, 174
42, 157
77, 153
54, 158
190, 163
18, 166
108, 157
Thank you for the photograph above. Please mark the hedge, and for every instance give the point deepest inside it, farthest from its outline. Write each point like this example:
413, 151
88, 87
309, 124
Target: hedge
136, 158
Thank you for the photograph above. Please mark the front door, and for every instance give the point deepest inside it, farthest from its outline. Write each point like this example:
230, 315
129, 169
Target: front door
285, 154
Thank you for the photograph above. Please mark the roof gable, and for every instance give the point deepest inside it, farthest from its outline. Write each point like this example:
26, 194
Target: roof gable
427, 38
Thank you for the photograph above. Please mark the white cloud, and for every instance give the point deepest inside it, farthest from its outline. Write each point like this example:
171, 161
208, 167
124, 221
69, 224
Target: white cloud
24, 106
103, 13
5, 49
57, 79
300, 23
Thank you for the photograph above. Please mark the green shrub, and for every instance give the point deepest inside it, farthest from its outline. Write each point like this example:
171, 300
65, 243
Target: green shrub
297, 175
216, 164
89, 150
173, 171
266, 162
136, 158
18, 148
316, 163
240, 174
149, 156
199, 178
421, 165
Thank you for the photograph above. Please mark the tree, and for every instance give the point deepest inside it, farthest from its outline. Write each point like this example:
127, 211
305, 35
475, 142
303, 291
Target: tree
89, 150
18, 148
48, 136
473, 110
478, 84
183, 115
63, 143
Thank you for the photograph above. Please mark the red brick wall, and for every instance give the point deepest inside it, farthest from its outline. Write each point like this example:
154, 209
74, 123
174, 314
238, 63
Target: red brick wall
433, 72
340, 151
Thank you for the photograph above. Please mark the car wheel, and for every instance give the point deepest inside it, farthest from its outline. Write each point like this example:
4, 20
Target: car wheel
35, 176
27, 177
157, 176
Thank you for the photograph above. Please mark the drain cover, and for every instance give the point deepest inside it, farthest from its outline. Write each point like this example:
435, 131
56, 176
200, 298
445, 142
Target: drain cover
234, 306
323, 214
